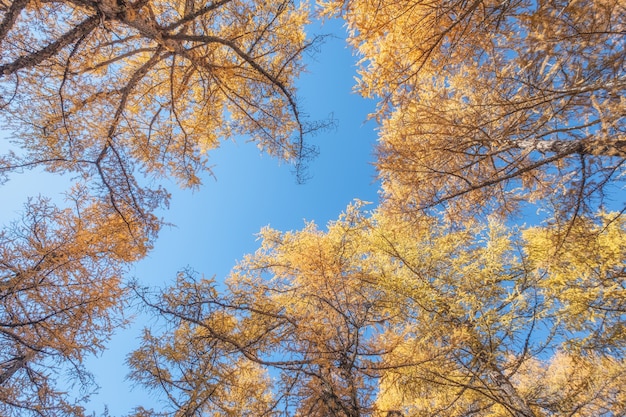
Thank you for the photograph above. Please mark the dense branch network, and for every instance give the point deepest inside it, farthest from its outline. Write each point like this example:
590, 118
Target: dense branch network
62, 295
486, 105
376, 317
119, 94
150, 85
483, 104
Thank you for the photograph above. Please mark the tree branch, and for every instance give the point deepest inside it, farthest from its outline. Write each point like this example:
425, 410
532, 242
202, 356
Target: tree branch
11, 16
28, 61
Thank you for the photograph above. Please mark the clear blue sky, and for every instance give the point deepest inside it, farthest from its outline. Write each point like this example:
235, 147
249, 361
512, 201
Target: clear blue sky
216, 225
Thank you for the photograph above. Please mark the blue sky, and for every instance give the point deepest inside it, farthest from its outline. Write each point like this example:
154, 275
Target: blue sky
217, 224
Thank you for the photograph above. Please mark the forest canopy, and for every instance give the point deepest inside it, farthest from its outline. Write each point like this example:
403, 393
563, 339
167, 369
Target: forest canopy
374, 317
487, 104
438, 300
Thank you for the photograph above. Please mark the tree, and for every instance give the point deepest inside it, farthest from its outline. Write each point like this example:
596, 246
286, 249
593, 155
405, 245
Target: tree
511, 336
297, 311
61, 274
118, 95
488, 104
161, 82
106, 90
378, 317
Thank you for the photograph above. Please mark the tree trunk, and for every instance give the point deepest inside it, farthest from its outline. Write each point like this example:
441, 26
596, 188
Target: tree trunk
18, 363
563, 147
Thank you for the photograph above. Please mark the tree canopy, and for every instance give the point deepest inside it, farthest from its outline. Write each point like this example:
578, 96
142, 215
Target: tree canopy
110, 90
488, 104
432, 303
374, 317
118, 95
62, 296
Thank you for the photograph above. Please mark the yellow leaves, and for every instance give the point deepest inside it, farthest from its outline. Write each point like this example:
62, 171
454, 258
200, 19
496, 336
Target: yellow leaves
583, 268
247, 391
585, 252
378, 313
156, 83
331, 8
483, 104
588, 385
62, 299
218, 322
197, 372
420, 381
466, 87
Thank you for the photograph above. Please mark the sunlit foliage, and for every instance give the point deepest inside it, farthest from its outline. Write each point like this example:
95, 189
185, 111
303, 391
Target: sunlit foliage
488, 104
374, 317
60, 284
484, 106
110, 91
118, 95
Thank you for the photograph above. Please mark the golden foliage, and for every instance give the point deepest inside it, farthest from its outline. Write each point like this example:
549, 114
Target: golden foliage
376, 316
62, 297
486, 104
119, 94
483, 105
155, 81
584, 269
